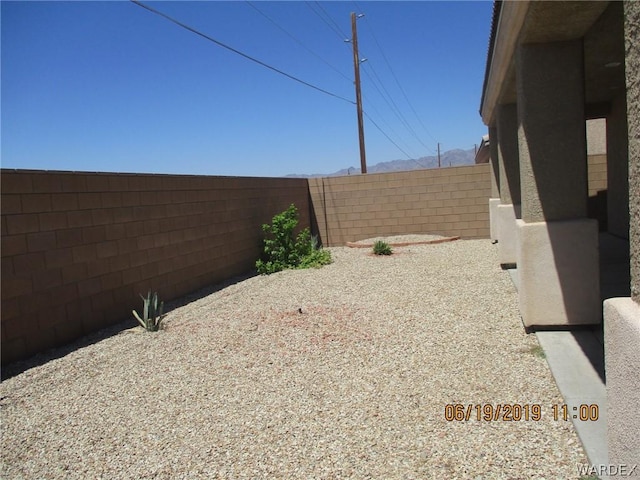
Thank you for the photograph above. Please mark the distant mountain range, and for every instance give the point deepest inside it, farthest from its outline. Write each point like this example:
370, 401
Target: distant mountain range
452, 158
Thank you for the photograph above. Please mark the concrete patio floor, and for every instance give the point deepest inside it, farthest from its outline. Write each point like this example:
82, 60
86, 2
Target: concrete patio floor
576, 357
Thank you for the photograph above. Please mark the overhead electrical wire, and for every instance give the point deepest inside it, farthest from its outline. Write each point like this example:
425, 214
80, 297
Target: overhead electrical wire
403, 119
344, 35
328, 20
388, 100
238, 52
382, 118
331, 23
333, 26
375, 38
388, 138
394, 107
298, 41
259, 62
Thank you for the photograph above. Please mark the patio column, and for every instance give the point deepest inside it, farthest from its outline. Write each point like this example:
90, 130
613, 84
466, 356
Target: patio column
622, 315
618, 168
557, 246
494, 200
509, 208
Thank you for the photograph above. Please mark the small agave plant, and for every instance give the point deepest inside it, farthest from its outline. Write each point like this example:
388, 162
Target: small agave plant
382, 248
151, 313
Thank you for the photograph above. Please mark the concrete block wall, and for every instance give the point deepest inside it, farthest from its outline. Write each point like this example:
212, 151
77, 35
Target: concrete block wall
447, 201
597, 173
78, 248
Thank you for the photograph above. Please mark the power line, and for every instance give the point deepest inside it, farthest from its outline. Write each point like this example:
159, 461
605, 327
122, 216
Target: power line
238, 52
248, 57
399, 138
395, 111
394, 76
392, 105
382, 117
338, 31
388, 137
330, 23
331, 19
389, 99
298, 41
402, 118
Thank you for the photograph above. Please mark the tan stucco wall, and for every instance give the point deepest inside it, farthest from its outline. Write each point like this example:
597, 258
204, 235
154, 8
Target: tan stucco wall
508, 160
622, 315
493, 159
551, 132
632, 33
622, 359
618, 168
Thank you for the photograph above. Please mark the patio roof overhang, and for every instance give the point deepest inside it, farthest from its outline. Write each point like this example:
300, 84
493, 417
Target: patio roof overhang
598, 23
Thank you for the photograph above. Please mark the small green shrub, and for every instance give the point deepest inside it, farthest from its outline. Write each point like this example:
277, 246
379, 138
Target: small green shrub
284, 250
382, 248
151, 312
316, 259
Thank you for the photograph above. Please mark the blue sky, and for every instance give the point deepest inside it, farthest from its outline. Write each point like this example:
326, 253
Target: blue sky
110, 86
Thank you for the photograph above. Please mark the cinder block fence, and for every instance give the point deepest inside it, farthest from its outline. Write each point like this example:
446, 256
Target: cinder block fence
78, 248
446, 201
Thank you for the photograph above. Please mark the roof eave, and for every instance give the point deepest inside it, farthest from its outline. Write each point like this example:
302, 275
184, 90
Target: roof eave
509, 25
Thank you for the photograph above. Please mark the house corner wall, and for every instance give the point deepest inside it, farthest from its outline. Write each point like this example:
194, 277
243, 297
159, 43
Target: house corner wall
622, 315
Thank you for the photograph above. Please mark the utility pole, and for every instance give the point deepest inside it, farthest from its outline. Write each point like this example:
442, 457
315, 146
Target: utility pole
438, 154
356, 67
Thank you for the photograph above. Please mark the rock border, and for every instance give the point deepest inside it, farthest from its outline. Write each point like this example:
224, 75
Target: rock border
405, 244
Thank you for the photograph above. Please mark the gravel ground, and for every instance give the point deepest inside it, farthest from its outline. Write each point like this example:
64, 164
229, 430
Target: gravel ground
341, 372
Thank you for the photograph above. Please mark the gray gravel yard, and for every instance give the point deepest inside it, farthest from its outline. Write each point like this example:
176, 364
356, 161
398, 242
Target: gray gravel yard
340, 372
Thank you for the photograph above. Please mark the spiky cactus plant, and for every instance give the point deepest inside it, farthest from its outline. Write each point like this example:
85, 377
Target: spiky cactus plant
151, 312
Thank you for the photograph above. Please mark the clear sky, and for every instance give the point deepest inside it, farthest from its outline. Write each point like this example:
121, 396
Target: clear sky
110, 86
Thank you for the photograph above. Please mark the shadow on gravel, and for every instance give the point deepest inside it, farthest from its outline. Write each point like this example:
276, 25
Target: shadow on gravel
16, 368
